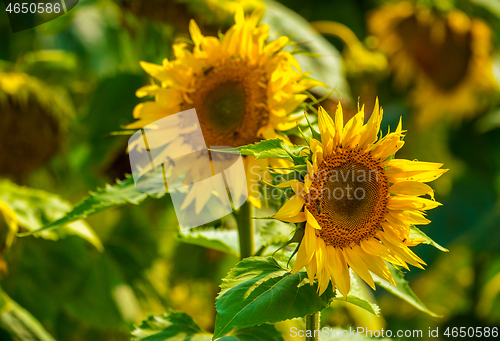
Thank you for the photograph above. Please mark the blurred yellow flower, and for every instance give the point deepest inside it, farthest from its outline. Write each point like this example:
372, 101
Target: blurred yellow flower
8, 230
33, 118
446, 55
357, 202
358, 60
243, 89
220, 11
210, 14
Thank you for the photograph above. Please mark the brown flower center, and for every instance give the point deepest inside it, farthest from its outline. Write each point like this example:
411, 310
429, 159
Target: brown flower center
29, 133
348, 197
231, 103
445, 62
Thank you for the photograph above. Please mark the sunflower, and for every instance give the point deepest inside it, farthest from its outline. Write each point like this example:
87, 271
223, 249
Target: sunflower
243, 89
33, 120
357, 202
446, 55
209, 13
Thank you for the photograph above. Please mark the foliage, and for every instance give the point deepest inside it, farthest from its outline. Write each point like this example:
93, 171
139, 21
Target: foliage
92, 265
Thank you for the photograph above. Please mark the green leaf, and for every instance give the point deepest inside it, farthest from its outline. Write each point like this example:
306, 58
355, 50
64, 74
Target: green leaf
178, 326
77, 281
416, 233
35, 208
274, 148
402, 290
492, 6
328, 67
265, 332
122, 193
19, 323
217, 239
174, 326
355, 297
275, 232
258, 290
270, 233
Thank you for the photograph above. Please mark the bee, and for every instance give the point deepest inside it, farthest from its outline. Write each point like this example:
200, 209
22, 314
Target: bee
318, 207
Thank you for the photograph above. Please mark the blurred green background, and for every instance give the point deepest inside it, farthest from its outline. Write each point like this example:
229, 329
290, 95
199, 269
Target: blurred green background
60, 142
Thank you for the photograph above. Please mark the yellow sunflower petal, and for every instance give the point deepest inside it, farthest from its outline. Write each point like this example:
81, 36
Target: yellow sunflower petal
301, 258
291, 208
326, 127
375, 248
401, 202
338, 270
411, 188
374, 264
351, 129
311, 269
339, 125
311, 220
296, 185
358, 266
402, 251
310, 241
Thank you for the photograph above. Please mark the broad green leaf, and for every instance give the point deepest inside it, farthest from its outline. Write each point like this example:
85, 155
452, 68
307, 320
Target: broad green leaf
174, 326
34, 208
178, 326
402, 290
19, 323
274, 148
258, 290
217, 239
265, 332
270, 233
355, 297
4, 302
416, 233
275, 232
122, 193
326, 68
50, 278
492, 6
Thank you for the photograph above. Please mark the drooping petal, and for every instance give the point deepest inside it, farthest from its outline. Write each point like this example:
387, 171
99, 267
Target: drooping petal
310, 241
301, 259
375, 248
311, 269
338, 269
374, 264
411, 188
291, 208
358, 266
311, 220
403, 203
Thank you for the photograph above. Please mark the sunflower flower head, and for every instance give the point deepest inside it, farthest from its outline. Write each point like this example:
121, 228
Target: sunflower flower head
33, 119
357, 202
244, 88
447, 56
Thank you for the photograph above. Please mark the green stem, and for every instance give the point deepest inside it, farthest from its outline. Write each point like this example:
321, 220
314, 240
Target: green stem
312, 325
245, 230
